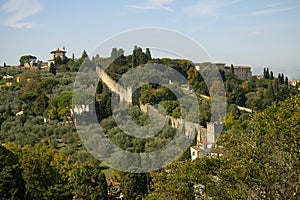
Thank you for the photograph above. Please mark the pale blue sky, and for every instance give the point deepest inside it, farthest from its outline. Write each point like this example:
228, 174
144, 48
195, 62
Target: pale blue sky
258, 33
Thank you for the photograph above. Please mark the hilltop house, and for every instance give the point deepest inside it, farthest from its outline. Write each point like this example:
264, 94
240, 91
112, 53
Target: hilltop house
57, 53
242, 72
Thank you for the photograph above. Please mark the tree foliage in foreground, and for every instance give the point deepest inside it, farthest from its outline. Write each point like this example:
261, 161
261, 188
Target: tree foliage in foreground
261, 162
48, 174
12, 184
89, 183
134, 186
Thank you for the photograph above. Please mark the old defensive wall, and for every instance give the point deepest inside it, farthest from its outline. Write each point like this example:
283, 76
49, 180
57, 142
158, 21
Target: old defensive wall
125, 94
191, 130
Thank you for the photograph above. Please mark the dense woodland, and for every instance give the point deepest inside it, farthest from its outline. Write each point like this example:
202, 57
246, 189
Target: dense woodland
42, 156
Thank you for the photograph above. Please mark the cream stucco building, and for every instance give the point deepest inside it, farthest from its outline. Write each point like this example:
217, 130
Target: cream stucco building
57, 53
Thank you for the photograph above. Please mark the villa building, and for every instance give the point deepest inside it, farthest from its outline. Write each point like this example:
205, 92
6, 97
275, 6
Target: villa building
57, 53
242, 72
203, 149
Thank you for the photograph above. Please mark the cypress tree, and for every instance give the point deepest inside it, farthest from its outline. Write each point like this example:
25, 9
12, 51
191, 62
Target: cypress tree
114, 53
142, 58
267, 74
134, 59
52, 69
282, 79
84, 55
148, 54
120, 52
271, 75
279, 78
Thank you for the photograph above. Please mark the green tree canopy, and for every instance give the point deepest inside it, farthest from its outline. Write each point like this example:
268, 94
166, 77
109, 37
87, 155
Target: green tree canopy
60, 106
260, 162
134, 186
41, 104
29, 97
89, 183
12, 184
27, 59
48, 84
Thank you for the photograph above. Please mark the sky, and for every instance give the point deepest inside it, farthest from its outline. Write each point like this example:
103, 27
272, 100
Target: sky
257, 33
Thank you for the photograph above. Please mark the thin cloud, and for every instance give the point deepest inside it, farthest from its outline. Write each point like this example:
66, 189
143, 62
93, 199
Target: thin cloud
203, 9
154, 5
277, 25
207, 8
272, 8
274, 4
16, 11
270, 11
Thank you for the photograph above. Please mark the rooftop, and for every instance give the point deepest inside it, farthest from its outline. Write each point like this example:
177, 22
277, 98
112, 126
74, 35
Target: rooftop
238, 67
59, 51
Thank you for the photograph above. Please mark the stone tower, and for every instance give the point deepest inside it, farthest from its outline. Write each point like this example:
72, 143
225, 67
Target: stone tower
214, 129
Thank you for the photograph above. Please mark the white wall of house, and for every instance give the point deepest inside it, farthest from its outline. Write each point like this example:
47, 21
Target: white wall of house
194, 153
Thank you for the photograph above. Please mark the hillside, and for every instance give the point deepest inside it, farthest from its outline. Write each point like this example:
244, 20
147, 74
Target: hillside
38, 130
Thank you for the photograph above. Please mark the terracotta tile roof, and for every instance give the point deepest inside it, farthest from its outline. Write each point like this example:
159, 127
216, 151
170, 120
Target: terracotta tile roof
58, 51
